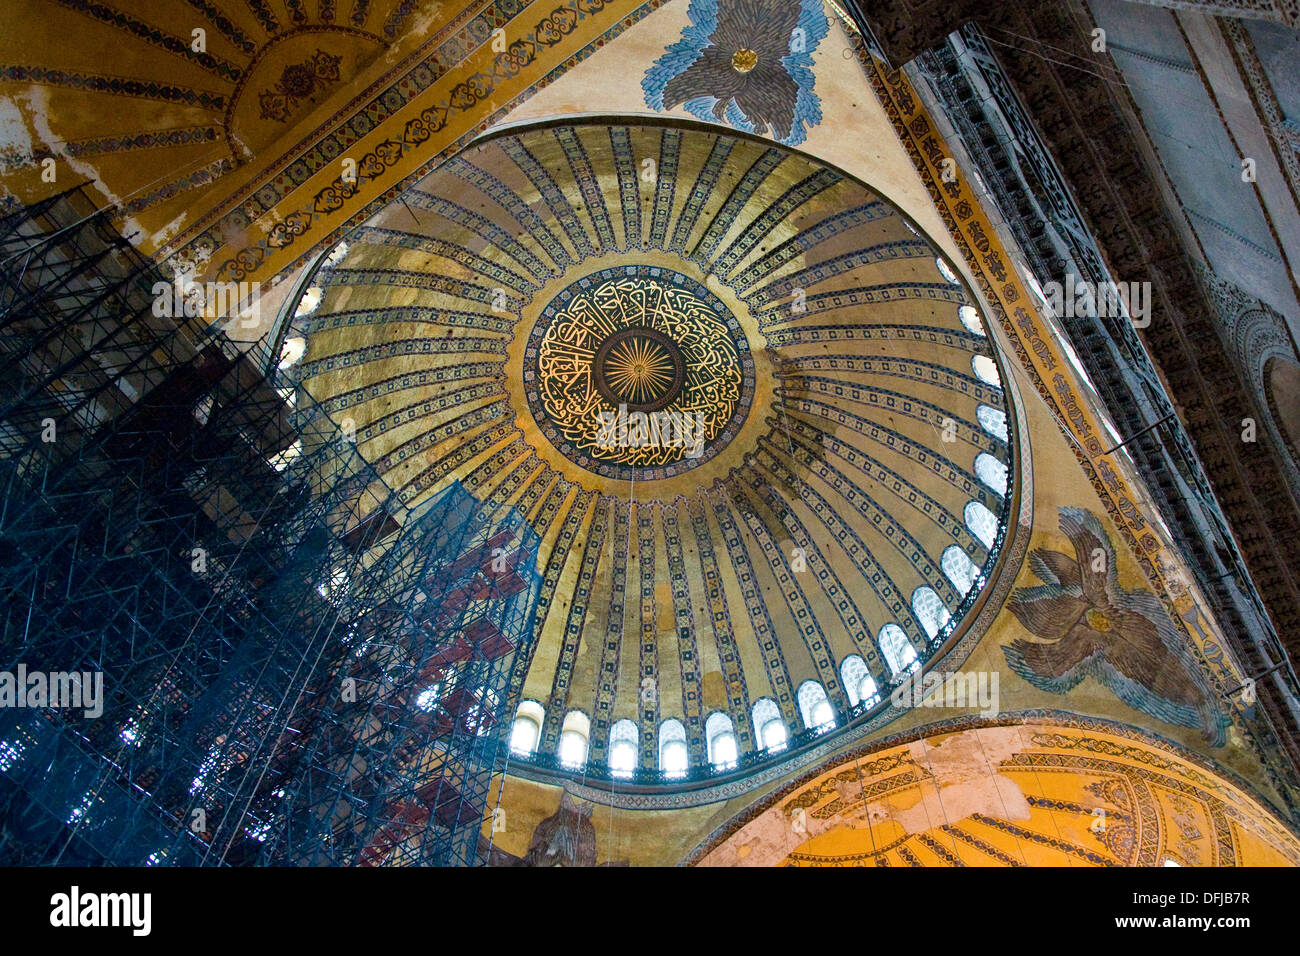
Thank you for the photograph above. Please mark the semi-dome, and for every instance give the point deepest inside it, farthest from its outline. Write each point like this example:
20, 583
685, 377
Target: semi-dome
750, 410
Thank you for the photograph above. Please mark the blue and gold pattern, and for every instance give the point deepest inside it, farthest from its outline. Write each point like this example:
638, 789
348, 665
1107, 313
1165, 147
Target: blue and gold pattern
642, 338
827, 496
746, 63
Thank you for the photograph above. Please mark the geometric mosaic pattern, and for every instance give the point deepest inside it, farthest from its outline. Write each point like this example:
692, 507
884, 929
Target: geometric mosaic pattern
192, 90
674, 593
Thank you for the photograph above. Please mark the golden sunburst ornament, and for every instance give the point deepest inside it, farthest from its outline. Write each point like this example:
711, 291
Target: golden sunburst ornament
742, 61
638, 370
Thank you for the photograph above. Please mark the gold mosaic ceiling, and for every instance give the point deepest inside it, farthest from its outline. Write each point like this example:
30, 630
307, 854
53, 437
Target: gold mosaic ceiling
187, 93
1079, 793
730, 387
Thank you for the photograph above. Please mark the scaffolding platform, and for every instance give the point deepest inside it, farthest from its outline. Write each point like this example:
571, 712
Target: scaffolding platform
297, 668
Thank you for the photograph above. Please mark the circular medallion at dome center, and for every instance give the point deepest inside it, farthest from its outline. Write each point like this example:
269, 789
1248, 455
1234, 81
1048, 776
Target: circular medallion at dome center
638, 371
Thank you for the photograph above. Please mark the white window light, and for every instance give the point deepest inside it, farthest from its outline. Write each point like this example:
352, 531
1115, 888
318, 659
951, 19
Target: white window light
986, 371
573, 739
958, 568
897, 650
623, 748
768, 725
992, 472
993, 421
814, 707
930, 610
971, 319
673, 757
982, 523
720, 736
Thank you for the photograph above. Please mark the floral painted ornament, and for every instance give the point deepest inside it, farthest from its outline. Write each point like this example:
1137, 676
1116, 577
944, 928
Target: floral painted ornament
746, 63
1089, 626
299, 81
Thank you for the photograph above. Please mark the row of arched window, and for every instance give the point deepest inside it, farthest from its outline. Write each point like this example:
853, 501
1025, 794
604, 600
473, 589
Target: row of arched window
992, 420
985, 369
896, 649
860, 686
770, 731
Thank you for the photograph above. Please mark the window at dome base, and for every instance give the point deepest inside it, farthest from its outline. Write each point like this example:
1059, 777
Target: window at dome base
524, 735
959, 568
982, 523
526, 732
992, 472
622, 753
858, 682
930, 611
720, 734
986, 370
572, 751
768, 725
898, 651
814, 706
971, 319
672, 748
993, 421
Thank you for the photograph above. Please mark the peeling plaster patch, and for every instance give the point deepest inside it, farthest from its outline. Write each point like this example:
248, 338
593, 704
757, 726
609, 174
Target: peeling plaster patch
36, 100
419, 26
963, 780
968, 755
995, 796
15, 140
166, 232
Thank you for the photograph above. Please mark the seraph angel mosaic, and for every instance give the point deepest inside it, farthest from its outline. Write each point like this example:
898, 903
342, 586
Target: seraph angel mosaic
746, 63
1087, 625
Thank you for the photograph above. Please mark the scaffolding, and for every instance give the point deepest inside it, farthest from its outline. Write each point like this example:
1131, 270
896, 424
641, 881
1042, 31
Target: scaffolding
297, 668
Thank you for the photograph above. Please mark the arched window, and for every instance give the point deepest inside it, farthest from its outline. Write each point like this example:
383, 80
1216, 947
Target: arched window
982, 523
672, 748
623, 749
929, 610
431, 697
336, 254
720, 735
971, 319
292, 351
813, 705
993, 421
986, 370
573, 739
992, 472
946, 271
958, 568
309, 302
858, 682
897, 650
768, 725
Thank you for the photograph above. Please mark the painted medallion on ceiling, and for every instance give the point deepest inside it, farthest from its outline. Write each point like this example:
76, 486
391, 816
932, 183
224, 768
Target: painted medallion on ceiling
749, 410
638, 372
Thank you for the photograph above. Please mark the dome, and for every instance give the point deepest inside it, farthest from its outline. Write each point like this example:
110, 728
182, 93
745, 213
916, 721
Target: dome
738, 395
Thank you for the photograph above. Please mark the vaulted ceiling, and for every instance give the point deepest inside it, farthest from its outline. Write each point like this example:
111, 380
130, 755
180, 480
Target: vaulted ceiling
191, 92
806, 335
